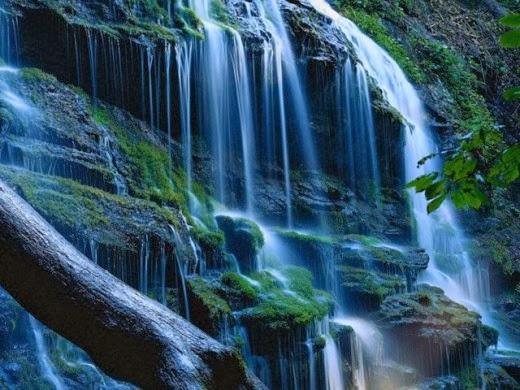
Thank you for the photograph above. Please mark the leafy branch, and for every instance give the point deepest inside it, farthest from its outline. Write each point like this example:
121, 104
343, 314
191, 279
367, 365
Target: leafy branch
481, 160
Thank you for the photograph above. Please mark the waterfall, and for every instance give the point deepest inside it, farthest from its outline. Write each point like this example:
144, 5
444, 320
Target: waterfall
439, 233
93, 246
245, 103
92, 55
163, 273
105, 145
295, 90
149, 63
283, 98
182, 270
183, 56
47, 368
356, 149
10, 49
167, 66
332, 359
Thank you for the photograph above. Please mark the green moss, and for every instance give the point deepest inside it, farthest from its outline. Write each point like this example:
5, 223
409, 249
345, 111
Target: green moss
370, 285
210, 241
243, 236
206, 296
188, 21
300, 281
432, 315
64, 201
219, 12
365, 240
489, 336
35, 74
71, 206
319, 343
469, 378
286, 305
153, 179
240, 285
304, 238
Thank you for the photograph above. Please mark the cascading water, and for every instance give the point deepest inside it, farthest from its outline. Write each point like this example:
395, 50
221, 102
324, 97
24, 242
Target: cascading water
184, 57
356, 152
437, 233
92, 55
47, 368
45, 352
226, 112
10, 37
182, 271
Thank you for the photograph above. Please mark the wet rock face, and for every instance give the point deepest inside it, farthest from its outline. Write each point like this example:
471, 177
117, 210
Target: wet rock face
244, 239
509, 364
325, 201
315, 35
208, 310
361, 269
72, 163
58, 147
429, 331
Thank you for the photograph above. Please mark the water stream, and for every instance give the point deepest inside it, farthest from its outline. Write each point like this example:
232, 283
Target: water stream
438, 233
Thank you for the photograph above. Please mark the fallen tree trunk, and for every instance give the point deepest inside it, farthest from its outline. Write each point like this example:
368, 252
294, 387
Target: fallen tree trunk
128, 335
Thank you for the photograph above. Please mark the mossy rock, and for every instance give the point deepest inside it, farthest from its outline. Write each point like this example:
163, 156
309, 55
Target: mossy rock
286, 301
428, 331
207, 309
489, 336
240, 287
244, 239
363, 251
365, 289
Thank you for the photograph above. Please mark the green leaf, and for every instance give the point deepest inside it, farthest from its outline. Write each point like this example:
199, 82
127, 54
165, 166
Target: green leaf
436, 203
457, 197
424, 160
451, 167
472, 200
422, 182
512, 154
511, 174
460, 167
435, 189
510, 39
512, 93
511, 20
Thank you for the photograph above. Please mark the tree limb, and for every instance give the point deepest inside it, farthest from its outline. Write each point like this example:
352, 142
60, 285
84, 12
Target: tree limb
129, 336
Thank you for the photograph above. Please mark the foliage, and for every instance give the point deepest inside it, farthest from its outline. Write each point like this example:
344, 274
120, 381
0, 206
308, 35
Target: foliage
511, 39
480, 160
